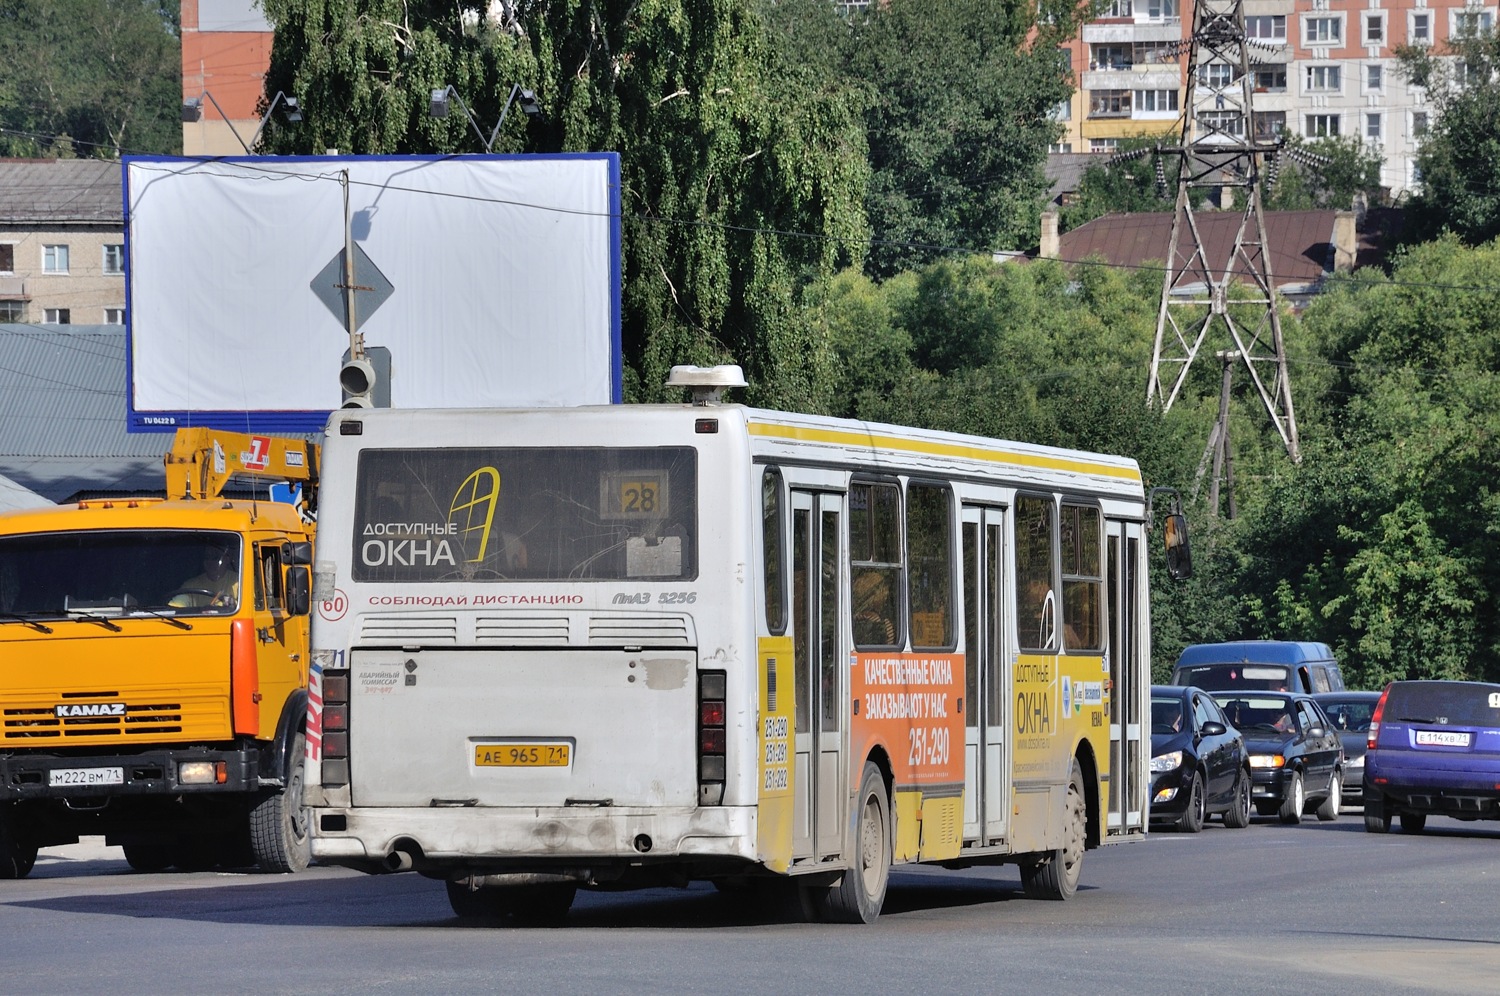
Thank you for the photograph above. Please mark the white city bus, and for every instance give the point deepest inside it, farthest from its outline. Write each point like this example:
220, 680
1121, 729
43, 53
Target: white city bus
635, 645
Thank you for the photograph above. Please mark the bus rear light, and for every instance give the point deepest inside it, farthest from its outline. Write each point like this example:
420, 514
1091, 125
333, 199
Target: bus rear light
335, 728
712, 737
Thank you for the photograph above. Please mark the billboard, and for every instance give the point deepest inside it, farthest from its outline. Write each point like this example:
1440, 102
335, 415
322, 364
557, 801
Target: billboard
488, 281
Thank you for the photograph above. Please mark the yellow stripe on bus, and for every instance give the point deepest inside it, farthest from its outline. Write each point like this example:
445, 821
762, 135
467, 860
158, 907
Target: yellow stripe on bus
841, 437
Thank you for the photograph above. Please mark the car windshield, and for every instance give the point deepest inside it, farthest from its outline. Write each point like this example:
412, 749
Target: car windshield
1166, 715
1352, 717
99, 574
1444, 703
1260, 714
1270, 677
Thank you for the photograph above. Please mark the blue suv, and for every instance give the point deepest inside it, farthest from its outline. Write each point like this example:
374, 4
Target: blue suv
1433, 750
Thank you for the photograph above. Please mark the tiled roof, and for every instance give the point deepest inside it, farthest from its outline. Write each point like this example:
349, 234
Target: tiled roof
1300, 243
62, 413
40, 192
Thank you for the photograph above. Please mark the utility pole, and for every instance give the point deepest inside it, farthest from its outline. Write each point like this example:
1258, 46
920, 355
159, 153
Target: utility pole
1223, 459
1226, 154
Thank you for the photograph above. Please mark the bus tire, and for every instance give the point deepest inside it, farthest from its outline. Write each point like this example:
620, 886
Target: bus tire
1055, 874
859, 893
279, 821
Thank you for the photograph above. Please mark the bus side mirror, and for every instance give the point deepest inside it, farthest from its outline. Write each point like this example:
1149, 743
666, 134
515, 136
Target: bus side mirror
1179, 554
299, 591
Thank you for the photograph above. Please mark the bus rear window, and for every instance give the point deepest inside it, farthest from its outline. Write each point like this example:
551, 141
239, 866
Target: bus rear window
538, 513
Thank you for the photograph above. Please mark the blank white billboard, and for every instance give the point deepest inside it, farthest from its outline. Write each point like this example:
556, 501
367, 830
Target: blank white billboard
493, 281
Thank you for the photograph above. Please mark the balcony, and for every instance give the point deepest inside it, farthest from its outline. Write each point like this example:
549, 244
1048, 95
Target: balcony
1125, 31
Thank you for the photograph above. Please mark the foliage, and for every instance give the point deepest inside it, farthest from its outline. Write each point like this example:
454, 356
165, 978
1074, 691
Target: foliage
743, 165
1124, 183
89, 77
1348, 168
1459, 159
959, 124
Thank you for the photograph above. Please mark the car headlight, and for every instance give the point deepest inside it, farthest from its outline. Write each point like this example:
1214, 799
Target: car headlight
1267, 761
1169, 761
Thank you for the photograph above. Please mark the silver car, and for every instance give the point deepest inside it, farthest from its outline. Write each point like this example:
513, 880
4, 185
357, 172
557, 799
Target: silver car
1350, 713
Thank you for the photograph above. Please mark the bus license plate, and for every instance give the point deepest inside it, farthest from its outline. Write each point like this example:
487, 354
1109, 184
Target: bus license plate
1442, 738
86, 776
523, 755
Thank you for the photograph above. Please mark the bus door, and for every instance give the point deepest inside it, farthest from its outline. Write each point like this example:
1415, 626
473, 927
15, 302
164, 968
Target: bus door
987, 678
1129, 676
817, 654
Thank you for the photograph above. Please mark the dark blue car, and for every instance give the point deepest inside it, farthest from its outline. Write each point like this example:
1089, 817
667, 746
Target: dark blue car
1433, 749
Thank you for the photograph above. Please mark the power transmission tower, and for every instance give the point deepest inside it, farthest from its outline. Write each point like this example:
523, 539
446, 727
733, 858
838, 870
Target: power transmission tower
1227, 154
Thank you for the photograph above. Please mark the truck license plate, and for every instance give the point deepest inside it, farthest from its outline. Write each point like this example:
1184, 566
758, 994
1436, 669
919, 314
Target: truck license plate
86, 776
523, 755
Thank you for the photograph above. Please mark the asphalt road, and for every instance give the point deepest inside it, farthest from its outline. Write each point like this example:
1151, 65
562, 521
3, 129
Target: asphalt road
1321, 907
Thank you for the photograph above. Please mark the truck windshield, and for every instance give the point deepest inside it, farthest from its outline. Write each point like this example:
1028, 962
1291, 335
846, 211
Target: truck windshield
542, 513
119, 573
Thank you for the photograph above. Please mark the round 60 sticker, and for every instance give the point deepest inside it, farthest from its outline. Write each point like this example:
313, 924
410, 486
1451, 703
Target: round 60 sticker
333, 609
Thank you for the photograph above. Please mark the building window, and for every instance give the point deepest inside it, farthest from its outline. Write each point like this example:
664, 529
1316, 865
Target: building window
1271, 79
1323, 30
1418, 124
114, 316
114, 259
1109, 103
1216, 74
7, 257
1468, 23
1104, 144
1155, 101
55, 259
1269, 124
1231, 123
12, 311
1324, 78
1322, 126
1374, 76
1118, 8
1062, 111
1421, 29
1110, 57
1161, 10
1266, 27
1060, 148
56, 316
1372, 127
1374, 29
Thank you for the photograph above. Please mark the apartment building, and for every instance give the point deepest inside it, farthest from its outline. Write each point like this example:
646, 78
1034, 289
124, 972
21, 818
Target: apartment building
62, 243
1321, 68
226, 49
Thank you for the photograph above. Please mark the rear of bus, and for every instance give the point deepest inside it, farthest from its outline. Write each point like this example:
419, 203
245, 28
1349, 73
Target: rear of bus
522, 652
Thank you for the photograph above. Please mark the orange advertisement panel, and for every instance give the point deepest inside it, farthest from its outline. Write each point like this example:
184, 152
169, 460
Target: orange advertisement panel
913, 705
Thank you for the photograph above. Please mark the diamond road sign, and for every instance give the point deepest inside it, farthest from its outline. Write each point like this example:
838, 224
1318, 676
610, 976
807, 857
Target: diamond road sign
371, 288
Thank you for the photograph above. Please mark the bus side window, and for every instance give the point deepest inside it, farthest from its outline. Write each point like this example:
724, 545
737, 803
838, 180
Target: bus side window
1083, 581
929, 540
773, 549
1036, 605
875, 563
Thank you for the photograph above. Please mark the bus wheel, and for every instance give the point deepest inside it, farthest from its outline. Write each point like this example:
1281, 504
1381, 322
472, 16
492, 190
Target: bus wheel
860, 891
1055, 874
279, 822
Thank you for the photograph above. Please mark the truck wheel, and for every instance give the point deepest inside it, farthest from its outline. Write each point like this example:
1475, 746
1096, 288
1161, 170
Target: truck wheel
17, 856
279, 822
148, 857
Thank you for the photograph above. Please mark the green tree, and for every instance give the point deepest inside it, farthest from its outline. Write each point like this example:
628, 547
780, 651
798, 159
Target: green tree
1459, 159
959, 125
1136, 179
90, 77
743, 165
1323, 173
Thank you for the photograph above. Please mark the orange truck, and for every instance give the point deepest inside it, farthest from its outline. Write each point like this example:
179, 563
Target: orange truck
153, 665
